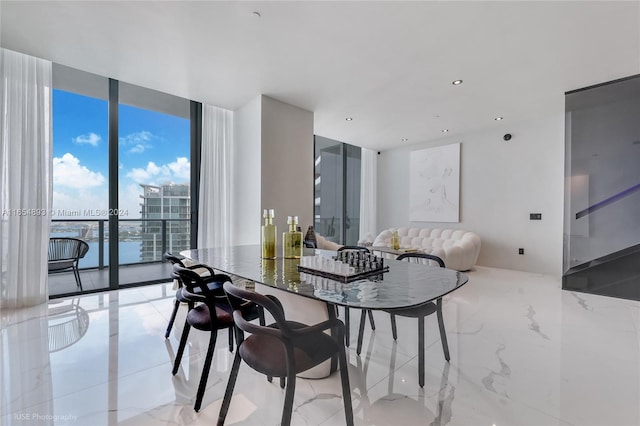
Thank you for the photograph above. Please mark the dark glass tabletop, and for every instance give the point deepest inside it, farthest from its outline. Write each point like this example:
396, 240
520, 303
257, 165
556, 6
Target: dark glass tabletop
404, 285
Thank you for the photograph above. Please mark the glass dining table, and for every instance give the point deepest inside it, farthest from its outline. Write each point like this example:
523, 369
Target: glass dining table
310, 298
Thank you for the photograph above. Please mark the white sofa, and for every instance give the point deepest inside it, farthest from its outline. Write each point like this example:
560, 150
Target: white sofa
325, 244
457, 248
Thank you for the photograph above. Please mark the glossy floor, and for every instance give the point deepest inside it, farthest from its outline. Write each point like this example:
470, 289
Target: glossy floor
523, 352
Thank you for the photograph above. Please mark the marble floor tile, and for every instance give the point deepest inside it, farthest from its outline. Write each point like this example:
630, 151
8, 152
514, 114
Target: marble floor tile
523, 352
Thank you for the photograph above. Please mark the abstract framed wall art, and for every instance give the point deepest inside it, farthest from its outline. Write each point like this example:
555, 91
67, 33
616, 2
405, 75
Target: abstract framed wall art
434, 186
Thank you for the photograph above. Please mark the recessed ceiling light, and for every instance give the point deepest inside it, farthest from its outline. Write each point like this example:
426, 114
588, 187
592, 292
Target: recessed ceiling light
349, 118
456, 82
445, 130
404, 139
256, 14
499, 118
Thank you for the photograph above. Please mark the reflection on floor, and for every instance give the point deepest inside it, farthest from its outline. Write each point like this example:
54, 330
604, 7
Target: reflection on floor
523, 352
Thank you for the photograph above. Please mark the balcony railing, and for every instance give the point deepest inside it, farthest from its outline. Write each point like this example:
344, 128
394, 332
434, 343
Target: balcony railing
139, 240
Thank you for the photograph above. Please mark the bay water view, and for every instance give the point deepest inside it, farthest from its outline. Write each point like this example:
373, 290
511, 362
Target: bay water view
130, 243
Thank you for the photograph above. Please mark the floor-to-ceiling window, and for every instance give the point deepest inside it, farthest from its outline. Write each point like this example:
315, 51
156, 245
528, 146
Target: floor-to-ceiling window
80, 168
337, 191
153, 176
122, 154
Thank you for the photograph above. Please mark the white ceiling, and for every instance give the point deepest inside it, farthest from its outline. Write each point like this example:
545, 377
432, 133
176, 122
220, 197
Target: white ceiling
389, 65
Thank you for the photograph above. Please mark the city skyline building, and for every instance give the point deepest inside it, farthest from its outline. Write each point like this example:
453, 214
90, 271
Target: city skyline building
166, 202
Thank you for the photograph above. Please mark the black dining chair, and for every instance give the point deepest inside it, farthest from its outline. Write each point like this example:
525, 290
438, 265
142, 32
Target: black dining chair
283, 349
209, 311
347, 334
202, 270
419, 312
65, 253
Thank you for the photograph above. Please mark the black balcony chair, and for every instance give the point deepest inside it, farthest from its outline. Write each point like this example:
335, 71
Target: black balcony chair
419, 312
283, 349
202, 270
347, 335
64, 254
212, 314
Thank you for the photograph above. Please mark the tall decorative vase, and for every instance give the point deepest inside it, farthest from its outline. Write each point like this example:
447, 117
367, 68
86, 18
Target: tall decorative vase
268, 235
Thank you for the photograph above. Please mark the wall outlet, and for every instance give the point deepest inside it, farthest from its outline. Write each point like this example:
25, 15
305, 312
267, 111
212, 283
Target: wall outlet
520, 251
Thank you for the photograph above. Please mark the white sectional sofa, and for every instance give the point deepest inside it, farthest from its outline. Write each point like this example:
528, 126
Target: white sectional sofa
457, 248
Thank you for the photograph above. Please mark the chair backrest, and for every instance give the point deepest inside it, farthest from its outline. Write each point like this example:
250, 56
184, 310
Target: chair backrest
173, 259
239, 297
63, 248
354, 248
193, 281
421, 256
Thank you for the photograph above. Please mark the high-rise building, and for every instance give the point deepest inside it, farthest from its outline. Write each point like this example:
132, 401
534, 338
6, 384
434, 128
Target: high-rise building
169, 201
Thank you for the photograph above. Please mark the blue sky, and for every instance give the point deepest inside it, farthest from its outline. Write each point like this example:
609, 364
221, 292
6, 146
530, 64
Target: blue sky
153, 148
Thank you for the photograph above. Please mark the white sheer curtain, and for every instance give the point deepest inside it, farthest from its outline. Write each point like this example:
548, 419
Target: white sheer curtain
25, 182
368, 195
214, 214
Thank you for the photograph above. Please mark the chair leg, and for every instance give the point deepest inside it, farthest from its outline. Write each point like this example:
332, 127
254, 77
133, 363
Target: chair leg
228, 393
421, 351
394, 329
288, 398
183, 343
176, 305
346, 388
205, 370
363, 318
347, 335
373, 324
443, 334
231, 331
76, 274
282, 381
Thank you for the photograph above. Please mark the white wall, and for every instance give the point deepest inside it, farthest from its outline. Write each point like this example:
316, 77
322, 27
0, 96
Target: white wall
287, 162
245, 192
500, 184
272, 167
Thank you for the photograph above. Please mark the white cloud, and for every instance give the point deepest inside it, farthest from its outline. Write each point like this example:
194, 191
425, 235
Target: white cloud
138, 175
92, 203
80, 203
138, 149
154, 170
67, 171
88, 139
129, 200
149, 173
176, 171
140, 141
181, 168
